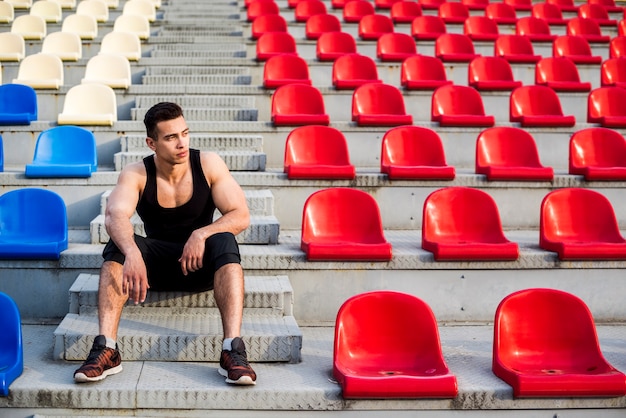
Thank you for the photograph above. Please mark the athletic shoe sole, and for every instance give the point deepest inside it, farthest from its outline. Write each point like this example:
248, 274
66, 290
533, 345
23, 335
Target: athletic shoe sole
243, 380
82, 378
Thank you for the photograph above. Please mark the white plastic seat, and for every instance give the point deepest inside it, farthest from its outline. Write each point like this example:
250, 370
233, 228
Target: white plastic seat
95, 8
20, 4
112, 70
89, 104
139, 25
124, 43
140, 7
112, 4
66, 4
7, 13
29, 27
40, 71
65, 45
49, 10
85, 26
12, 47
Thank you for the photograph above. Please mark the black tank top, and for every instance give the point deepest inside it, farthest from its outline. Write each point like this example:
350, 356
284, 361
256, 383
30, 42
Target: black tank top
176, 224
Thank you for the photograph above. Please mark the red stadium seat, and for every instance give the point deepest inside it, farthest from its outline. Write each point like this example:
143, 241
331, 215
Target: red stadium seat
481, 28
371, 362
459, 106
453, 12
613, 72
509, 153
575, 48
545, 346
317, 152
535, 29
316, 25
551, 13
501, 13
596, 12
261, 7
338, 4
395, 47
520, 5
580, 224
588, 29
372, 27
605, 105
515, 49
423, 72
275, 43
333, 45
414, 153
384, 4
461, 223
285, 69
267, 23
598, 154
353, 70
430, 4
537, 106
475, 4
560, 74
609, 5
307, 8
298, 104
491, 73
427, 27
354, 10
617, 47
405, 11
343, 224
455, 47
377, 104
565, 5
621, 27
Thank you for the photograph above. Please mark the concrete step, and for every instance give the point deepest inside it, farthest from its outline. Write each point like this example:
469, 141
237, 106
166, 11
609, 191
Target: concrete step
264, 295
235, 160
197, 79
208, 114
195, 335
197, 70
203, 142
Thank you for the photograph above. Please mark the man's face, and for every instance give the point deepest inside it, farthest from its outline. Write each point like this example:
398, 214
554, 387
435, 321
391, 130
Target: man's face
172, 142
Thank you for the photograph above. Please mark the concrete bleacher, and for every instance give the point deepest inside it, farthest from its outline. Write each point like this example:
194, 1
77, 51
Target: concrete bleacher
201, 56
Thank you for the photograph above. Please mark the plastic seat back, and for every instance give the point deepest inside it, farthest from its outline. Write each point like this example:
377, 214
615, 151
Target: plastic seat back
343, 224
461, 223
613, 72
12, 47
560, 74
537, 30
275, 43
65, 45
140, 7
354, 10
564, 5
84, 26
332, 45
414, 152
353, 70
21, 4
587, 28
89, 104
298, 104
50, 11
96, 8
1, 155
370, 361
260, 8
284, 69
124, 43
373, 26
501, 13
491, 73
617, 47
621, 28
598, 154
476, 4
137, 24
454, 47
41, 71
395, 47
609, 5
480, 28
453, 12
430, 4
545, 345
427, 27
18, 104
11, 344
423, 72
537, 106
306, 8
64, 151
596, 12
551, 13
405, 11
605, 105
576, 48
33, 224
509, 153
267, 23
30, 27
318, 24
525, 5
7, 13
317, 152
454, 105
515, 48
377, 104
112, 70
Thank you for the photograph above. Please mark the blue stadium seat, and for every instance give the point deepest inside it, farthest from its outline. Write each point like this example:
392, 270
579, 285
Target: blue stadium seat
11, 348
1, 155
64, 151
18, 104
33, 224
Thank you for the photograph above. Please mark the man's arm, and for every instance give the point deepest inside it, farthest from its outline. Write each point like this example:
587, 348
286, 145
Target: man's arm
120, 207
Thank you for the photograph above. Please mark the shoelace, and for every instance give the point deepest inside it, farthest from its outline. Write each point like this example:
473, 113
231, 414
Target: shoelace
95, 352
239, 359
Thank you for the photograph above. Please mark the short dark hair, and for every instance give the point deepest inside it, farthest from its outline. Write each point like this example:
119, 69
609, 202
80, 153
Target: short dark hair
158, 113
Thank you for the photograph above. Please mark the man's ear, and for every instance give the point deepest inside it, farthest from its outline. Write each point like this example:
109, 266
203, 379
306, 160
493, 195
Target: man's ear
150, 143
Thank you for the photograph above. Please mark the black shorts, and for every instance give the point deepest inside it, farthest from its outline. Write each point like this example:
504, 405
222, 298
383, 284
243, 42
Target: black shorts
164, 270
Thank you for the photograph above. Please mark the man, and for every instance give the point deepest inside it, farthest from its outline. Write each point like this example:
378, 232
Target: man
175, 191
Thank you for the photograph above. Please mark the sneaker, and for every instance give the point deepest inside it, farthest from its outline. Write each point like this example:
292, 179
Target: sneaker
234, 365
101, 362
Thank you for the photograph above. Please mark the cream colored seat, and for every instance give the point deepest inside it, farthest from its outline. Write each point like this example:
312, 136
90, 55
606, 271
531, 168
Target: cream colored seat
12, 47
95, 8
49, 10
112, 4
65, 45
29, 27
139, 25
124, 43
140, 7
40, 71
20, 4
112, 70
66, 4
6, 12
85, 26
89, 104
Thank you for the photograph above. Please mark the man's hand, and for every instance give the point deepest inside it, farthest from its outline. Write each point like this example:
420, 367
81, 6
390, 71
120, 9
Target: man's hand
193, 253
135, 279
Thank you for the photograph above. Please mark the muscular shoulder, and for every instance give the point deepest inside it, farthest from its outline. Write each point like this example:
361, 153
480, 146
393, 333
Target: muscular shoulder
213, 166
133, 175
